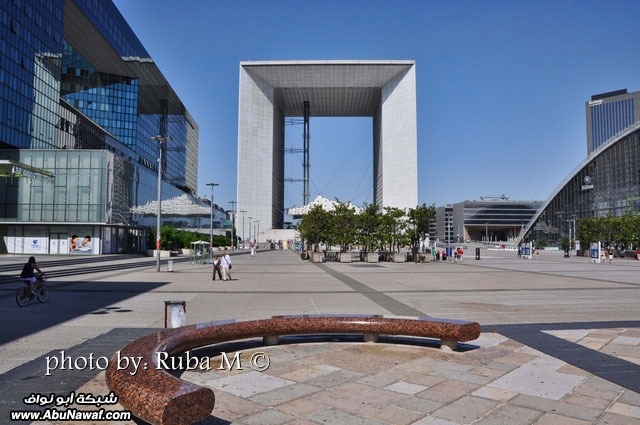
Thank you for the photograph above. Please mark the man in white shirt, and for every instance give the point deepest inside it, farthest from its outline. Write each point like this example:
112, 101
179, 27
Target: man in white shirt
226, 266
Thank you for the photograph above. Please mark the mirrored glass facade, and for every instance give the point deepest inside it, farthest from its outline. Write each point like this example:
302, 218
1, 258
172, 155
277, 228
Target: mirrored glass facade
609, 114
82, 98
607, 183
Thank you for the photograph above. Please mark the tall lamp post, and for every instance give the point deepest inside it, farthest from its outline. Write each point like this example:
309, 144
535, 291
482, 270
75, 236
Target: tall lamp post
161, 141
250, 228
257, 232
211, 222
243, 238
233, 220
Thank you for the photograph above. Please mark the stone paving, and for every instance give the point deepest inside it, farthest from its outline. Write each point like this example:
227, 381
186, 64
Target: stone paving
497, 381
619, 342
578, 306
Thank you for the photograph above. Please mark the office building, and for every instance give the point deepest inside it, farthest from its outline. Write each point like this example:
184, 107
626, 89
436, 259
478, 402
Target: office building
81, 99
490, 219
609, 114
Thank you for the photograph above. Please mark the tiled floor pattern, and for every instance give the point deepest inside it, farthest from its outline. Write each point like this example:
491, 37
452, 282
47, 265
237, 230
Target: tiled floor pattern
502, 382
623, 343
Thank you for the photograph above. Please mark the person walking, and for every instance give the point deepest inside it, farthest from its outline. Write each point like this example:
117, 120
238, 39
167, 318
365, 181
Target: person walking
460, 252
610, 254
217, 265
226, 266
253, 248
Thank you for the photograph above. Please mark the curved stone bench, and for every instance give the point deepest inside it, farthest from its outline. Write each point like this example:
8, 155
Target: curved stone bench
160, 398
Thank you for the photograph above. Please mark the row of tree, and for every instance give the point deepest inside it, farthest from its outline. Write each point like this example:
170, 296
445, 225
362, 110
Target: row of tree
371, 229
623, 232
172, 238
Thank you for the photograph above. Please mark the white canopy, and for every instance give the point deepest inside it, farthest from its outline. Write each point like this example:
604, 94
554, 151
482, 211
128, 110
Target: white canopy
183, 205
325, 203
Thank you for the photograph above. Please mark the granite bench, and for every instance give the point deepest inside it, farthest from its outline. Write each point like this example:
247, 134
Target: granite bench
160, 398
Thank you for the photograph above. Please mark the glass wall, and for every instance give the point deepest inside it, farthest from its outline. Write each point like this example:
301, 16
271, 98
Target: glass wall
609, 184
30, 50
76, 194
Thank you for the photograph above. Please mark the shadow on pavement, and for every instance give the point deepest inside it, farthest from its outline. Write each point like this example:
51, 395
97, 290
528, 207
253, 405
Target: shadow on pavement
66, 302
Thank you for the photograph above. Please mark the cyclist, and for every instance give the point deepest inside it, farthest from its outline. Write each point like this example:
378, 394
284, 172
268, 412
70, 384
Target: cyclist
29, 277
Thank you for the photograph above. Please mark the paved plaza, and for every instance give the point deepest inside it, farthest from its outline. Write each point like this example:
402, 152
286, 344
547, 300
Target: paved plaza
560, 341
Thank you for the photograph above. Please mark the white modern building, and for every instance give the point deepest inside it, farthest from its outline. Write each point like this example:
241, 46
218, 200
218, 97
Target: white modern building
273, 90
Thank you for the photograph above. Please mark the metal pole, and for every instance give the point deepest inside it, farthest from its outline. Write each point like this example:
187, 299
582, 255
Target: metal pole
258, 232
243, 238
159, 206
233, 218
161, 141
250, 228
211, 222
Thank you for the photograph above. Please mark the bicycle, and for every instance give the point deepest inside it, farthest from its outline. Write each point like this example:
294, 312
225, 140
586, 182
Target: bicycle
24, 295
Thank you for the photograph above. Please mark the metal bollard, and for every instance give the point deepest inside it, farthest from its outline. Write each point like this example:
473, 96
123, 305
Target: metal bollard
477, 253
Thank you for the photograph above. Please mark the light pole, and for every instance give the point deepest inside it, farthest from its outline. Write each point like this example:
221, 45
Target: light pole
211, 222
233, 219
161, 141
250, 228
257, 232
243, 238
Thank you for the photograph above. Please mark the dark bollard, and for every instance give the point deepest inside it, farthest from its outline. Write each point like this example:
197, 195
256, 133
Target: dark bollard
477, 253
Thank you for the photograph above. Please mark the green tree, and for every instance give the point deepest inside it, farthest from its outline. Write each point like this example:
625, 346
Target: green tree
314, 226
587, 230
392, 228
607, 228
418, 223
342, 229
367, 224
542, 243
564, 243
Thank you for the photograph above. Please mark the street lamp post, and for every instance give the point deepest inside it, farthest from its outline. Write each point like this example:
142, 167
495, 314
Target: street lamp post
250, 228
211, 222
161, 141
233, 219
243, 238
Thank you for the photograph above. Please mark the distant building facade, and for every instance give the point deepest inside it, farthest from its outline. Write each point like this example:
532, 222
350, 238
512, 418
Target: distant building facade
607, 182
608, 114
80, 98
489, 220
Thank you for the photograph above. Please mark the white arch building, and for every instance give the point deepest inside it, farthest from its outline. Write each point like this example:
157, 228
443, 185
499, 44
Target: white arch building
273, 90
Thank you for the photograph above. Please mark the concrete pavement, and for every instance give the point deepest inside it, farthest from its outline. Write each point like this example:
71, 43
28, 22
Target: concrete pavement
498, 290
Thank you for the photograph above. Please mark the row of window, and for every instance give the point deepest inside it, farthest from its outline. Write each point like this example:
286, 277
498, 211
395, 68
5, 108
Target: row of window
612, 190
608, 119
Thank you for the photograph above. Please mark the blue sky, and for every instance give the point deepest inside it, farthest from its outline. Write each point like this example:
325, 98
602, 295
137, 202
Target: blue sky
501, 84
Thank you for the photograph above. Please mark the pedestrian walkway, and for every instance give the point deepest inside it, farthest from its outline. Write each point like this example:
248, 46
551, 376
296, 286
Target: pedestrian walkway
549, 315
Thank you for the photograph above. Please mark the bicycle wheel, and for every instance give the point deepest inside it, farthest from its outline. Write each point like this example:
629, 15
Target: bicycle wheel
43, 293
22, 297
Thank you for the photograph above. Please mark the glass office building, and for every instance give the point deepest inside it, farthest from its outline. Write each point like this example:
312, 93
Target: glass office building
609, 114
494, 219
80, 100
607, 182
